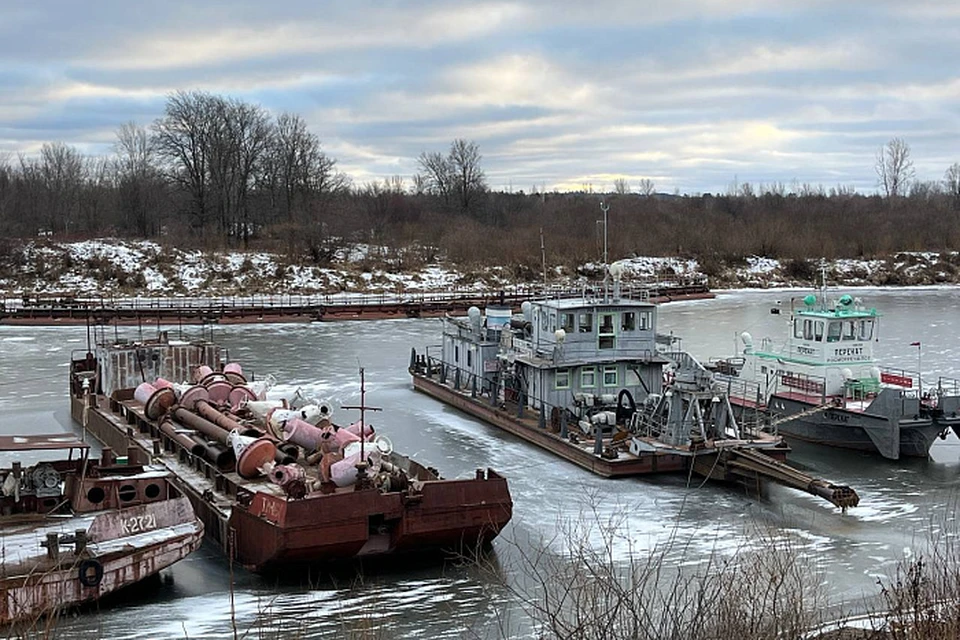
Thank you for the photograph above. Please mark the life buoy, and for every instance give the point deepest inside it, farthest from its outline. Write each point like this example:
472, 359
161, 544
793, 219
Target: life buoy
91, 572
626, 406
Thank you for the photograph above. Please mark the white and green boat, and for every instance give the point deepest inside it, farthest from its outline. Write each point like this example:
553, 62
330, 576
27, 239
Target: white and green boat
823, 385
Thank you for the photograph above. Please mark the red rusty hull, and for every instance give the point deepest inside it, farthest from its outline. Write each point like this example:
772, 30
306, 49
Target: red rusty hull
42, 590
265, 528
351, 523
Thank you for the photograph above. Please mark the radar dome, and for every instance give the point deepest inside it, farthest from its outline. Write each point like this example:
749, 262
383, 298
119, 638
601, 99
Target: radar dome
527, 309
810, 300
474, 314
846, 300
747, 341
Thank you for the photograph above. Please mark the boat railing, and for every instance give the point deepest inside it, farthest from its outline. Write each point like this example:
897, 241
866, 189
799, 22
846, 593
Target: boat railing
908, 381
786, 381
948, 387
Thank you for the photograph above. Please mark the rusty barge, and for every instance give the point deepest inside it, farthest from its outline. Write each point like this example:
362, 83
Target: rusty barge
75, 529
275, 481
588, 379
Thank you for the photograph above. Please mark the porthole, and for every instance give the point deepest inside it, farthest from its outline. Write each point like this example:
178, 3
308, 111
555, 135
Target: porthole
127, 492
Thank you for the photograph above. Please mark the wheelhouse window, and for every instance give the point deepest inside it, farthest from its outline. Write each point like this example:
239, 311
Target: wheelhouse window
646, 320
833, 331
628, 321
610, 376
818, 330
588, 378
605, 332
456, 353
631, 377
567, 322
562, 380
469, 359
850, 330
586, 323
797, 328
866, 329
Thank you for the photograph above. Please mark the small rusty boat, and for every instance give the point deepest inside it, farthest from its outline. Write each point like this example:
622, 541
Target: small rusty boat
73, 529
276, 481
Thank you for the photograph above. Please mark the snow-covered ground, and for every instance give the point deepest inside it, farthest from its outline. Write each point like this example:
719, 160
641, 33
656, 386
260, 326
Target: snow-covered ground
112, 267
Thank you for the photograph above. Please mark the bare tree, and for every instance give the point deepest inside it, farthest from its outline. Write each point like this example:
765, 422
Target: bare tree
894, 168
469, 180
437, 175
140, 190
61, 171
647, 188
182, 139
951, 183
621, 187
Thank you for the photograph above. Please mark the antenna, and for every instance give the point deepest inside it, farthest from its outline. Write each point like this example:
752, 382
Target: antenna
605, 207
543, 258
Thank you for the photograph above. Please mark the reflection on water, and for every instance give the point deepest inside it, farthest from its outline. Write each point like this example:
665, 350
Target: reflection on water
902, 503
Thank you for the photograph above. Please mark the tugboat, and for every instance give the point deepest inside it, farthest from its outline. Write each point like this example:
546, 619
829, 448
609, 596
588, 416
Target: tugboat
73, 529
823, 385
276, 482
589, 380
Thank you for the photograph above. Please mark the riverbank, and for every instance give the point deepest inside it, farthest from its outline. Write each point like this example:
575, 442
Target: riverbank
113, 267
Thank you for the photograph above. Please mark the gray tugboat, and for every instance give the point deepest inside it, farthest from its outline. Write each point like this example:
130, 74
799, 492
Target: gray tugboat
585, 379
823, 385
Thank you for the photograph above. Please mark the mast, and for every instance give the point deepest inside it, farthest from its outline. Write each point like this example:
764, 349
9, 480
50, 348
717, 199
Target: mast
605, 207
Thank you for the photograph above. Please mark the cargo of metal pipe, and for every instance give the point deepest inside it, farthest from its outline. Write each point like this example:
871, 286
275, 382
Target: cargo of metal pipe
219, 391
155, 401
201, 372
254, 455
234, 373
261, 408
219, 454
304, 434
200, 424
355, 430
192, 396
184, 439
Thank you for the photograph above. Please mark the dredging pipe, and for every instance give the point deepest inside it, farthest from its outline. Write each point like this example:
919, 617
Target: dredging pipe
752, 464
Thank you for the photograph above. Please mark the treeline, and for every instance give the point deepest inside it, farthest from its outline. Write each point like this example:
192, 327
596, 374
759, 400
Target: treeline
215, 172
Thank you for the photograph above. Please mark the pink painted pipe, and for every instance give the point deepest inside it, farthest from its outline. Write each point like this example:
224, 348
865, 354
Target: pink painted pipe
219, 391
201, 372
162, 383
240, 395
155, 401
355, 430
344, 437
303, 434
234, 373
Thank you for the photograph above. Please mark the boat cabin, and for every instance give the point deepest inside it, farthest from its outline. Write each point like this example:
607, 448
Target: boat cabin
829, 350
557, 351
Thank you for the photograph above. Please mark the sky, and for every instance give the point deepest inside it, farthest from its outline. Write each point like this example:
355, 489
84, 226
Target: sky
693, 95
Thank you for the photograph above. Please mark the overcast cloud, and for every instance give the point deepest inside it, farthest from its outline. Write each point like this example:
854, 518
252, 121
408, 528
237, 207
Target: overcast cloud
691, 94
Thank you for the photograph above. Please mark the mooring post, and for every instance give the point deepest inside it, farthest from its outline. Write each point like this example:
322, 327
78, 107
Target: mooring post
542, 419
520, 403
563, 424
598, 440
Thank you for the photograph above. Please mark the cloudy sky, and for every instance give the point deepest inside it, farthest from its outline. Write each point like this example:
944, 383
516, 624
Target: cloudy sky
695, 95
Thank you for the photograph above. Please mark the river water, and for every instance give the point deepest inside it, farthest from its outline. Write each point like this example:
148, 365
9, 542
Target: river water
902, 503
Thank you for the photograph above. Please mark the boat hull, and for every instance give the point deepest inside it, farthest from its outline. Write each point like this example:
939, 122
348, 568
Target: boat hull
527, 429
837, 427
266, 530
45, 589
